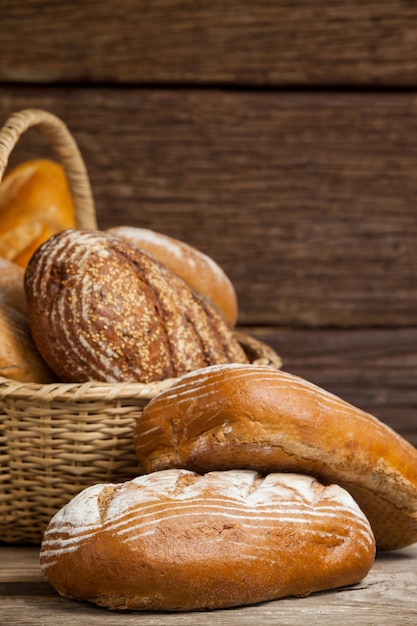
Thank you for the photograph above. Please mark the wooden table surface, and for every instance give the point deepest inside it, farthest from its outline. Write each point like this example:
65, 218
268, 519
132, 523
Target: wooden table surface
388, 595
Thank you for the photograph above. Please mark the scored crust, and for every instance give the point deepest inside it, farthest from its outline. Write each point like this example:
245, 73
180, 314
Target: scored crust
259, 418
101, 310
174, 540
196, 268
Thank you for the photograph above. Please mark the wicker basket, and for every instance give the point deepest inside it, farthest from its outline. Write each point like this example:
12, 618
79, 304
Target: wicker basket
57, 439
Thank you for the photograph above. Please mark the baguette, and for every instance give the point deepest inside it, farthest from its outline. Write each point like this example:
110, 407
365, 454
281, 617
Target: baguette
259, 418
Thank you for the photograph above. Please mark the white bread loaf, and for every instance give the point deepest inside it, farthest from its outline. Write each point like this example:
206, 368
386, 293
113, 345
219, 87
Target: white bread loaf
259, 418
100, 309
197, 269
176, 541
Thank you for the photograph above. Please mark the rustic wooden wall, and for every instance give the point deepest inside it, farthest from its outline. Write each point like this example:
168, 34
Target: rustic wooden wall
278, 137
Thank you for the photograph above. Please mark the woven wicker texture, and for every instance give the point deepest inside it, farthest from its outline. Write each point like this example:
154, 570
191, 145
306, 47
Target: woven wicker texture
57, 439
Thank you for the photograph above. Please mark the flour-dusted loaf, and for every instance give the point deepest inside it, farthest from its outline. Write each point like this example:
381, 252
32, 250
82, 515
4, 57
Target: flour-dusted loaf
101, 310
197, 269
174, 540
259, 418
19, 358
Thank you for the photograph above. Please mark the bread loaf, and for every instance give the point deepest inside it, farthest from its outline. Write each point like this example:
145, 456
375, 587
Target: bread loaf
12, 291
259, 418
197, 269
101, 310
35, 202
174, 540
19, 359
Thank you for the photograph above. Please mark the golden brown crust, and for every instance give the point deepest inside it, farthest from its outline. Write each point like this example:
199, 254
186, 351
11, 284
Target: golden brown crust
195, 268
19, 359
178, 541
101, 310
268, 420
35, 202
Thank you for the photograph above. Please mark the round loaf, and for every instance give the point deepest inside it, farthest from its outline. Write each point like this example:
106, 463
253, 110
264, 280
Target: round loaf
19, 359
177, 541
196, 268
101, 310
259, 418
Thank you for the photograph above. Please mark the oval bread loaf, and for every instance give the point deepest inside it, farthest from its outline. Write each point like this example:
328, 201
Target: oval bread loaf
101, 310
196, 268
259, 418
19, 358
178, 541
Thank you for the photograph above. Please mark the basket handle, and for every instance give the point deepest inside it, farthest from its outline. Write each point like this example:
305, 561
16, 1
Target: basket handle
66, 149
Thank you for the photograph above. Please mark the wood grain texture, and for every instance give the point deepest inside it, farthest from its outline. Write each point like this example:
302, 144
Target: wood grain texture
304, 42
387, 596
307, 200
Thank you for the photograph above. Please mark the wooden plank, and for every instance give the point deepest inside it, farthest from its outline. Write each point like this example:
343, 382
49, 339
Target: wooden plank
20, 565
374, 369
307, 200
387, 596
304, 42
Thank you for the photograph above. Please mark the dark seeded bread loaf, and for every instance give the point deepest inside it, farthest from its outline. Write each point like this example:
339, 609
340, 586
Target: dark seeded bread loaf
197, 269
101, 310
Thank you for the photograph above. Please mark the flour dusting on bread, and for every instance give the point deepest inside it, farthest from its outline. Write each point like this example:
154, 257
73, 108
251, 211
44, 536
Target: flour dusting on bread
210, 530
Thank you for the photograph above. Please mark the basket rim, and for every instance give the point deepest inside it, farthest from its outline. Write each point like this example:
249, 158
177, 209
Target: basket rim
96, 390
90, 390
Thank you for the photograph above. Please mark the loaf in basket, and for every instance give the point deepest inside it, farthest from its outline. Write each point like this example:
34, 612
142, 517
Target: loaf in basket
58, 438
